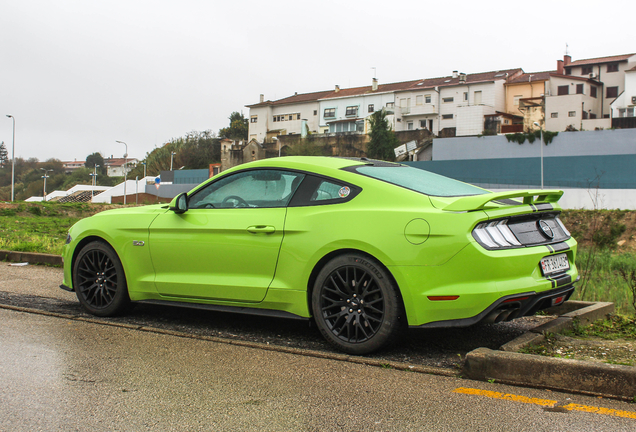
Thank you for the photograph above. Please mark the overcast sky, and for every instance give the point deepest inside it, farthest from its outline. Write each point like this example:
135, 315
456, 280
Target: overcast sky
79, 75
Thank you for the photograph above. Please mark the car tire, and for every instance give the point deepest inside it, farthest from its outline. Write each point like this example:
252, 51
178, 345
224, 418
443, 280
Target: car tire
356, 305
99, 280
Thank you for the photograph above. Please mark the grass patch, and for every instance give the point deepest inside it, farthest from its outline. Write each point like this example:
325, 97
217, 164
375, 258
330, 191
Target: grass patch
614, 327
38, 227
604, 279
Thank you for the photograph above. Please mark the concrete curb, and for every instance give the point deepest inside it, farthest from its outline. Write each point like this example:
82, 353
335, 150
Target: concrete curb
573, 376
31, 258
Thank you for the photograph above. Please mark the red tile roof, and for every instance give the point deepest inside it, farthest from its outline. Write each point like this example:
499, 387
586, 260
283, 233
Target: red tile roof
574, 77
430, 83
531, 77
598, 60
391, 87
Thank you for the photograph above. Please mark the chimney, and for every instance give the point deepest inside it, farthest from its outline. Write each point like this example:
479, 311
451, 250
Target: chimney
295, 93
374, 84
337, 88
455, 75
560, 67
262, 98
567, 59
462, 78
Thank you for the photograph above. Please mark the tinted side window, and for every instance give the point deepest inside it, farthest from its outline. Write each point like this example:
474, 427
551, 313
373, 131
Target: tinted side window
253, 188
321, 191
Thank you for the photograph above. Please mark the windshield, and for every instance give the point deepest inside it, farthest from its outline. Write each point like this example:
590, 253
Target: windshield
420, 181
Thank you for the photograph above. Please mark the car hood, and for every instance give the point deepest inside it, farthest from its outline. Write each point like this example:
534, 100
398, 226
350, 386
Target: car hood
140, 210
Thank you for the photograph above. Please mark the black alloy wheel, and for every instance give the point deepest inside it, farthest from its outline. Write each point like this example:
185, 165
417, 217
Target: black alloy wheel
355, 304
99, 280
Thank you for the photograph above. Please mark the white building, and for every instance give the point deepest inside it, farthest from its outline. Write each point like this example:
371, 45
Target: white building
115, 166
609, 71
455, 105
625, 104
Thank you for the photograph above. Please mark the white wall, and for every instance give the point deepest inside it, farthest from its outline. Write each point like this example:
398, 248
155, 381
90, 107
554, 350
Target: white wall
607, 199
379, 101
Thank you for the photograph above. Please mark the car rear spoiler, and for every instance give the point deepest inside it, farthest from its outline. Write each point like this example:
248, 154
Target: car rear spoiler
480, 202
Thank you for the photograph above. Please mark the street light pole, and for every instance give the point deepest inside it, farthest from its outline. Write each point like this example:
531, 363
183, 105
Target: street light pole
171, 157
12, 159
125, 166
94, 182
541, 145
45, 176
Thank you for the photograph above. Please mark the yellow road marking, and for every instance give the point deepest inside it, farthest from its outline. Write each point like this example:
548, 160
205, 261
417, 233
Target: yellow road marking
504, 396
596, 410
545, 402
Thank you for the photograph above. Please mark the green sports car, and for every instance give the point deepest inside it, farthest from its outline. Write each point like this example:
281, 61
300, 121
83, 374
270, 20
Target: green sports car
363, 247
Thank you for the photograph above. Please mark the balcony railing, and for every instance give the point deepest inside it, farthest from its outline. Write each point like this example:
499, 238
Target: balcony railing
418, 110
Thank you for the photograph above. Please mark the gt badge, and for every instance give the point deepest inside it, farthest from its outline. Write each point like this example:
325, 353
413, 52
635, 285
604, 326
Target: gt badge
138, 243
344, 192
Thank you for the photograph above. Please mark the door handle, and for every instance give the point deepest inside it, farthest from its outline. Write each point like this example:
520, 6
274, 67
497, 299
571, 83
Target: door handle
261, 229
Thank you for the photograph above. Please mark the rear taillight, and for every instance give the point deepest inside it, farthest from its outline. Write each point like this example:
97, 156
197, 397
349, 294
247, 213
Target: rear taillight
495, 235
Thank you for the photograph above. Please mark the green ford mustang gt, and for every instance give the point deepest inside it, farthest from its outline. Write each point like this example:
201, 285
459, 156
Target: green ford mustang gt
364, 247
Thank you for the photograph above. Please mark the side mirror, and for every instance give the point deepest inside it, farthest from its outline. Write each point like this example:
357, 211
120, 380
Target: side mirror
180, 203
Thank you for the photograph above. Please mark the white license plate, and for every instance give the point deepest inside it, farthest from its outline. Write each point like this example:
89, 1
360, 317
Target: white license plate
555, 264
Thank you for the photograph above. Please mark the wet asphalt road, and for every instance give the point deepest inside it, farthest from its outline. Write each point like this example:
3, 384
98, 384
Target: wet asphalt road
60, 374
63, 373
38, 287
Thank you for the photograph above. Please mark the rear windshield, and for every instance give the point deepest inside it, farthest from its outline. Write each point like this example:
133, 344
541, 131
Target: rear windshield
420, 181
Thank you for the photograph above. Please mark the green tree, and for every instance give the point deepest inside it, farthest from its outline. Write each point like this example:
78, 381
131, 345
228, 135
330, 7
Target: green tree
4, 156
196, 150
96, 159
238, 129
383, 140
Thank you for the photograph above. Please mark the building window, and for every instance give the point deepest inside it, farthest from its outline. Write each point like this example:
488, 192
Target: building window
315, 112
253, 119
477, 97
572, 114
586, 70
427, 98
330, 112
593, 91
612, 92
466, 96
516, 100
352, 111
447, 116
568, 71
409, 125
419, 99
630, 112
423, 124
621, 112
554, 115
291, 117
563, 90
612, 67
390, 104
579, 89
370, 108
448, 99
298, 116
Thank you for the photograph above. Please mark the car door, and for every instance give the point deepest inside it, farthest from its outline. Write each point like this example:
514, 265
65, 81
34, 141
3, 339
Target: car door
226, 245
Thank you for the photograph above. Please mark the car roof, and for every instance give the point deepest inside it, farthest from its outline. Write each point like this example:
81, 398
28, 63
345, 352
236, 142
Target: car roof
307, 163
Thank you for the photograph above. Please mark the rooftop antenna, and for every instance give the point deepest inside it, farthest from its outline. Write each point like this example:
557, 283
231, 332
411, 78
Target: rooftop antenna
566, 49
374, 72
